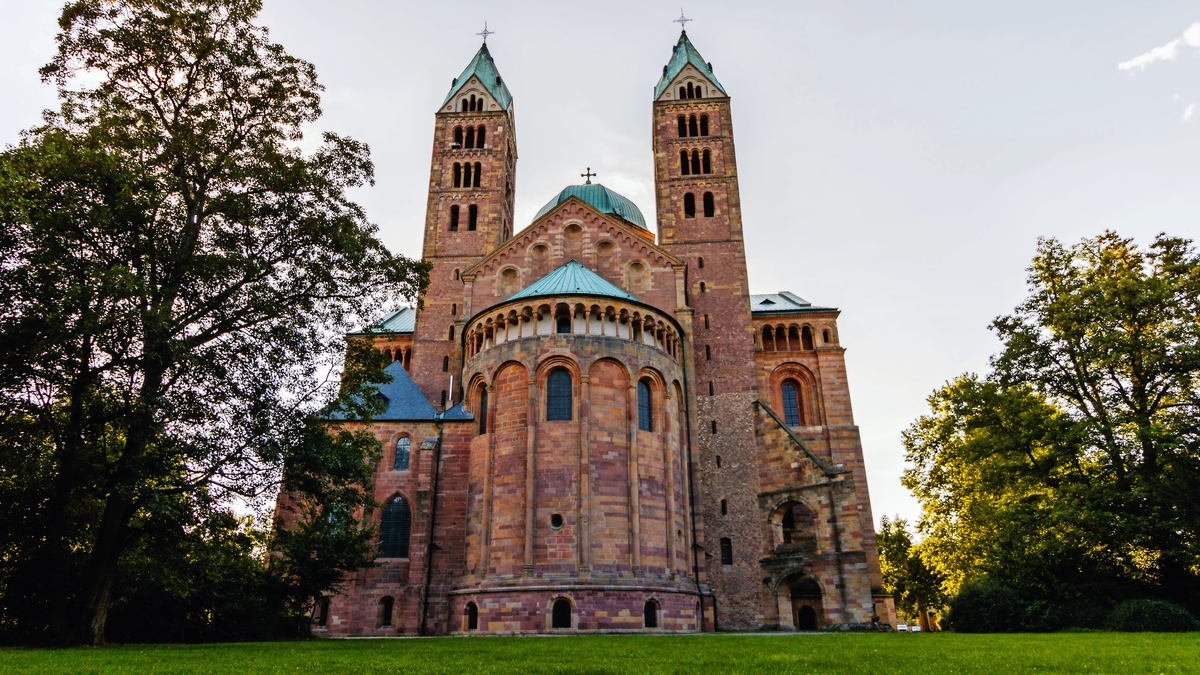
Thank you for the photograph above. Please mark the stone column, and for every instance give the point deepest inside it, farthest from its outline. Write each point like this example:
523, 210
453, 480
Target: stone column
530, 478
635, 482
485, 538
669, 480
583, 539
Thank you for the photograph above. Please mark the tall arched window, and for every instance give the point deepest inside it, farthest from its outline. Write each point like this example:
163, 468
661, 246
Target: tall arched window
707, 162
691, 93
478, 173
704, 125
472, 217
454, 216
806, 338
560, 615
825, 336
394, 528
689, 205
645, 409
472, 102
695, 161
558, 395
483, 410
693, 128
682, 126
703, 287
466, 181
400, 461
386, 604
683, 92
791, 403
464, 105
726, 551
323, 613
458, 137
710, 207
684, 165
479, 137
472, 616
650, 614
457, 174
700, 262
470, 137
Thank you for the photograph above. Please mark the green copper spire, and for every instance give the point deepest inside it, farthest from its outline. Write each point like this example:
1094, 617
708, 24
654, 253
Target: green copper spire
483, 68
684, 54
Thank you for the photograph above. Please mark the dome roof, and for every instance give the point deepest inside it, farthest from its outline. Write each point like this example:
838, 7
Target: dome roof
602, 199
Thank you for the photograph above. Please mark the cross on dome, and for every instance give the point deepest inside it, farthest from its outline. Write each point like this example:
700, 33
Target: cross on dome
682, 21
588, 175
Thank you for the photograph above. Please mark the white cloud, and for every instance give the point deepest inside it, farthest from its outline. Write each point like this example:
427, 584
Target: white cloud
1187, 112
1167, 52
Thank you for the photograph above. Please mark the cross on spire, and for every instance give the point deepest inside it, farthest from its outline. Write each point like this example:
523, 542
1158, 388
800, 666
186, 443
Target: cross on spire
588, 175
682, 21
485, 32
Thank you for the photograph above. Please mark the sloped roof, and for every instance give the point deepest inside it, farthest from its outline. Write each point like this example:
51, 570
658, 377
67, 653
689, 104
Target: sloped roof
572, 279
484, 68
403, 320
600, 198
685, 53
783, 302
405, 402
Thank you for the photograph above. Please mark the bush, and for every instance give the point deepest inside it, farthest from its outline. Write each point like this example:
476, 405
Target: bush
1157, 616
986, 607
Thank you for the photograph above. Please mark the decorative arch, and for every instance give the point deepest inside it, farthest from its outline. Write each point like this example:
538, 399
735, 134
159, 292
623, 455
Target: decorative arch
562, 612
809, 406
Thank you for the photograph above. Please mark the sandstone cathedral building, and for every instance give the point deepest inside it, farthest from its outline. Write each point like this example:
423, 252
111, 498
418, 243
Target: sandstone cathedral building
593, 428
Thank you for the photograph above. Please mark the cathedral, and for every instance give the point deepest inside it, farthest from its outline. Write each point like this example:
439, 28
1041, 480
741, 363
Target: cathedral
592, 427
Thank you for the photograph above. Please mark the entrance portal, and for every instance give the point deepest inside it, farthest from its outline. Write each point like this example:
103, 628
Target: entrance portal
807, 612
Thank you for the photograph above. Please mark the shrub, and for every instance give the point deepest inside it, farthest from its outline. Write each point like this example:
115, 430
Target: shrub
1158, 616
986, 607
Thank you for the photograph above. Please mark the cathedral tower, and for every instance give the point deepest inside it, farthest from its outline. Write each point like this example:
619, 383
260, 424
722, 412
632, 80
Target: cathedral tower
470, 211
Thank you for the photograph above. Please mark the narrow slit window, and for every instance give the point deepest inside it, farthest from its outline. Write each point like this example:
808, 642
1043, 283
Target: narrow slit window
472, 217
714, 430
706, 321
708, 356
445, 364
457, 174
825, 336
726, 551
700, 262
558, 396
689, 205
703, 287
451, 333
483, 410
710, 206
454, 309
645, 419
454, 217
710, 388
724, 508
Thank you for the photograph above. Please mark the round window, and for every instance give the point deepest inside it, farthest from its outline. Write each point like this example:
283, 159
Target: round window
556, 521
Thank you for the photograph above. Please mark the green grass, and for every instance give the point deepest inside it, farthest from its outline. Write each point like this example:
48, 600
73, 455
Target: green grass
692, 654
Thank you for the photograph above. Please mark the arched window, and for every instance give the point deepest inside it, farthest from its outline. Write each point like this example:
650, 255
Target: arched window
684, 165
394, 527
445, 364
483, 410
650, 614
472, 102
451, 334
464, 105
472, 616
645, 409
682, 126
386, 604
470, 137
700, 262
704, 125
478, 173
387, 354
458, 137
454, 216
689, 205
699, 92
806, 338
400, 461
560, 615
558, 396
703, 288
454, 308
457, 174
708, 357
682, 92
695, 161
707, 162
563, 324
693, 128
466, 181
407, 358
691, 93
791, 403
472, 217
825, 336
710, 207
479, 137
726, 551
323, 613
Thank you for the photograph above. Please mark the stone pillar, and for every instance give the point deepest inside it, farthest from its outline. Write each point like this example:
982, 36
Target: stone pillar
635, 482
530, 478
669, 480
485, 537
583, 538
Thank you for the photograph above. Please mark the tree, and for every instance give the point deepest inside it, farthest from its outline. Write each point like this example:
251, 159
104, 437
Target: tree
1064, 475
914, 586
178, 276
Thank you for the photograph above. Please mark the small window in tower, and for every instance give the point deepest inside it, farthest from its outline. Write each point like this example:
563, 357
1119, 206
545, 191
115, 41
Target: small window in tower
726, 551
684, 165
710, 389
704, 125
451, 333
445, 364
718, 458
825, 336
693, 129
699, 92
682, 126
724, 508
695, 162
464, 105
478, 173
470, 137
479, 137
456, 275
714, 426
458, 138
400, 460
454, 309
710, 206
682, 93
472, 102
691, 93
708, 354
706, 321
806, 338
703, 288
466, 181
457, 174
689, 205
443, 398
700, 262
707, 163
454, 216
472, 217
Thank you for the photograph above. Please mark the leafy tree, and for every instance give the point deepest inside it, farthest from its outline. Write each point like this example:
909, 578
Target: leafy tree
178, 276
915, 587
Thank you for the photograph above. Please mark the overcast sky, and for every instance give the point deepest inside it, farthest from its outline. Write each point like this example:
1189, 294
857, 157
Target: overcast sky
897, 160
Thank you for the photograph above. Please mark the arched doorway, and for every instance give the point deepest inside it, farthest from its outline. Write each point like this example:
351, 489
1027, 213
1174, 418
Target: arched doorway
560, 614
807, 611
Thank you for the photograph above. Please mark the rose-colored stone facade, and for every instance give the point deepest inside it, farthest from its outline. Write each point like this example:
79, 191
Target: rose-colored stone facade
695, 466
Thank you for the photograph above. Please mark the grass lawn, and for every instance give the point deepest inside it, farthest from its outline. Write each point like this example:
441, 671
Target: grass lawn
706, 654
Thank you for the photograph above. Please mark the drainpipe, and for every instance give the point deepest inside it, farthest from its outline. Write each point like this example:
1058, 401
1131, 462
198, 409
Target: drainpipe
429, 545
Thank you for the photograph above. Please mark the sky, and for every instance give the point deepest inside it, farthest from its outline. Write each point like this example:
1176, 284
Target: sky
898, 161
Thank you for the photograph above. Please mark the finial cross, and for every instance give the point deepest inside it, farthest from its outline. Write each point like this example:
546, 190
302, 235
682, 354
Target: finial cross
485, 33
588, 175
682, 21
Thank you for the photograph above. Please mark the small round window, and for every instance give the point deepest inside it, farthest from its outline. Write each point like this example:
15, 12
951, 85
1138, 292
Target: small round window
556, 521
